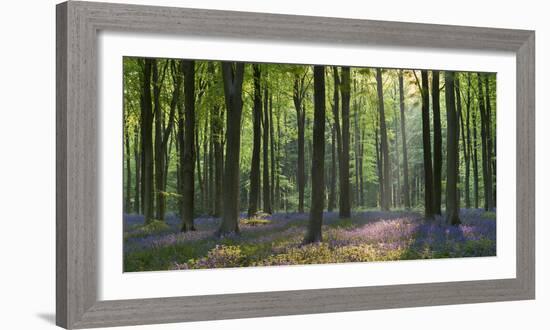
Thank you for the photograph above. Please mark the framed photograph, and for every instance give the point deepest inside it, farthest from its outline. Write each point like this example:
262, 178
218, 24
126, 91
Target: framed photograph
217, 165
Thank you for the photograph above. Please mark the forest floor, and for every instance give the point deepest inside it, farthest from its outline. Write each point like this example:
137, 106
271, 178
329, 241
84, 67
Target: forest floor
277, 240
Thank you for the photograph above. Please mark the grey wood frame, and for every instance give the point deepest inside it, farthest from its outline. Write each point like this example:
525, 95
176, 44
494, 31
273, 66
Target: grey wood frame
77, 183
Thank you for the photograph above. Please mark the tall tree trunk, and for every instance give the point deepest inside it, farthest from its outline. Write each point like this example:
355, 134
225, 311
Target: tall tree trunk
188, 164
452, 150
428, 173
332, 190
465, 149
485, 152
272, 154
383, 143
266, 178
233, 73
181, 147
218, 160
147, 143
398, 191
475, 158
278, 160
406, 195
358, 154
197, 157
338, 131
468, 143
255, 166
298, 96
159, 156
345, 190
137, 183
127, 156
379, 167
211, 169
205, 165
491, 165
438, 152
314, 233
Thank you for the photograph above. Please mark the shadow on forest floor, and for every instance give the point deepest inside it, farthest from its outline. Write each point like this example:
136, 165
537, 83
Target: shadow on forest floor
277, 240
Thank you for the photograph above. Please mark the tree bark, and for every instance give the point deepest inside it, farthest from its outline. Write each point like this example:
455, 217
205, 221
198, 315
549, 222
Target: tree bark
298, 96
255, 166
159, 154
452, 150
147, 142
127, 157
345, 190
428, 173
338, 129
485, 152
398, 190
137, 183
406, 196
266, 177
218, 160
272, 154
188, 164
332, 190
491, 165
315, 224
475, 158
233, 73
465, 150
438, 152
386, 197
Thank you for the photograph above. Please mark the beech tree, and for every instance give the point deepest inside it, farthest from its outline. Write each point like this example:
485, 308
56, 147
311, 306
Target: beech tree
233, 73
318, 160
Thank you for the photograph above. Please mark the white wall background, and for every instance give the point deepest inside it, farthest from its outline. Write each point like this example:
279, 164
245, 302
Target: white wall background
27, 164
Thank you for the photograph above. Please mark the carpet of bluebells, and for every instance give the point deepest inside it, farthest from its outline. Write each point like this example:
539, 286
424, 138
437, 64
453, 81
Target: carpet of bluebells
277, 240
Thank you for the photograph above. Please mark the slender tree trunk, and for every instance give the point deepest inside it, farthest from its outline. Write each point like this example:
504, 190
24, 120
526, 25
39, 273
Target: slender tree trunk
205, 165
383, 143
159, 154
452, 150
255, 166
197, 157
406, 196
218, 160
188, 164
147, 142
233, 73
358, 155
465, 150
475, 164
397, 160
489, 132
127, 157
487, 181
379, 168
332, 190
314, 233
345, 190
272, 153
428, 173
137, 183
211, 169
438, 152
298, 95
338, 131
266, 177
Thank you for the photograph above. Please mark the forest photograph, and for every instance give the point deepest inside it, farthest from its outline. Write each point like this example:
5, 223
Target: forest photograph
238, 164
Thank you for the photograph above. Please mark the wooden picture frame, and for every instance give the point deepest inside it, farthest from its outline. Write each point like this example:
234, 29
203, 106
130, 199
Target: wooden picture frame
77, 189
